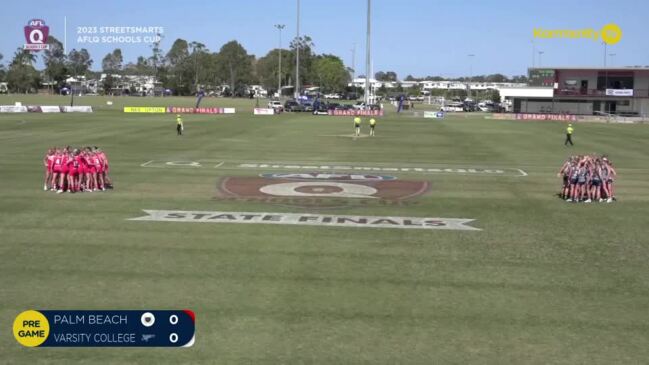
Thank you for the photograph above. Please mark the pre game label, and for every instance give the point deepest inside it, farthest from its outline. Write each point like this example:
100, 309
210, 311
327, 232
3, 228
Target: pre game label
123, 328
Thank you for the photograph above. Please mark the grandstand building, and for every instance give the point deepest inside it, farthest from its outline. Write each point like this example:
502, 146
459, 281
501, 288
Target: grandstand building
582, 91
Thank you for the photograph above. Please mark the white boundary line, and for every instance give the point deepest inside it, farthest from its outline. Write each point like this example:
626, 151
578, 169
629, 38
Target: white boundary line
219, 165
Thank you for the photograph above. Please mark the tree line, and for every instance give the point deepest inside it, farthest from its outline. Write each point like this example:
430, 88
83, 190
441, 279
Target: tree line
186, 68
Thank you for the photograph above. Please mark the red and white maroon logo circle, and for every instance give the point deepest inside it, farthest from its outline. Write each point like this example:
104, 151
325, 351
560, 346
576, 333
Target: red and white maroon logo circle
314, 189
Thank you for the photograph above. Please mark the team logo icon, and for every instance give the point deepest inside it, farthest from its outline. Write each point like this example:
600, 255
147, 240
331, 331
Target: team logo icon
36, 33
322, 189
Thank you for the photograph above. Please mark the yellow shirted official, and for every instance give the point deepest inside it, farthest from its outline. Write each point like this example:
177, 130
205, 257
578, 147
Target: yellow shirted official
357, 125
372, 125
569, 131
179, 125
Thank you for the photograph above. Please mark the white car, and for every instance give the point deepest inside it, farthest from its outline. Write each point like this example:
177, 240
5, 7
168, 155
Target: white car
277, 105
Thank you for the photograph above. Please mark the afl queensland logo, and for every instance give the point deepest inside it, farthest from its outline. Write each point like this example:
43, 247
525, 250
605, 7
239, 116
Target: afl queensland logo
36, 33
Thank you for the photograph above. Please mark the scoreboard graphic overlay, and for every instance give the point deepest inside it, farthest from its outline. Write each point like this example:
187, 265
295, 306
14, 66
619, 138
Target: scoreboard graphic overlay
105, 328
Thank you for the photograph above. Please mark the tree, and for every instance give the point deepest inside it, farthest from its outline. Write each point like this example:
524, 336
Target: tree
496, 78
177, 72
235, 65
306, 46
108, 84
267, 67
386, 76
330, 73
112, 62
79, 62
55, 62
22, 76
199, 61
2, 69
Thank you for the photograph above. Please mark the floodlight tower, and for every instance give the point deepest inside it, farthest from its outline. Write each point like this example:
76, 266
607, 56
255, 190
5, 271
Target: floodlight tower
297, 54
279, 72
367, 55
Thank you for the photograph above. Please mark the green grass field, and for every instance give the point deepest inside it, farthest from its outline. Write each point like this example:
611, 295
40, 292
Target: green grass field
544, 281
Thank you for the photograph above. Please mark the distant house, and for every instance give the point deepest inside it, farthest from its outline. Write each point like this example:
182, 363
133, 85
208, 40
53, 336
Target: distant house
142, 85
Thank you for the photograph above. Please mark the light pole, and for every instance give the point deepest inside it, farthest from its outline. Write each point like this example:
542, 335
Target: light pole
471, 56
353, 62
612, 55
297, 54
279, 72
540, 55
533, 52
367, 55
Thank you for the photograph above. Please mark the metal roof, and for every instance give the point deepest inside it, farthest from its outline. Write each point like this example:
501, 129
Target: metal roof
623, 68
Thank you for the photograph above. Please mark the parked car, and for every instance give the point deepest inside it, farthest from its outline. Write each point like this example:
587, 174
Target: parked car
276, 105
308, 107
293, 106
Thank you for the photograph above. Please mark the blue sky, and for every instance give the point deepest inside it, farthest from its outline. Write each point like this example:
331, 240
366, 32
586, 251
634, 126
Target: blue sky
418, 37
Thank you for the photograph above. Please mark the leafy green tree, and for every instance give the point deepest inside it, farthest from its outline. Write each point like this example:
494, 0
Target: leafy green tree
108, 84
329, 73
306, 45
386, 76
235, 65
267, 67
55, 62
112, 62
3, 72
79, 62
22, 76
178, 73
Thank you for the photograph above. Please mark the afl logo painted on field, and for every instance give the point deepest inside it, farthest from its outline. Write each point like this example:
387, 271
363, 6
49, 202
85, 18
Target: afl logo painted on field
320, 189
309, 176
36, 33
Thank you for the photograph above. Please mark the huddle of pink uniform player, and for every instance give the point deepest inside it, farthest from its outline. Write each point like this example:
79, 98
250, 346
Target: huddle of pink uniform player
76, 170
588, 178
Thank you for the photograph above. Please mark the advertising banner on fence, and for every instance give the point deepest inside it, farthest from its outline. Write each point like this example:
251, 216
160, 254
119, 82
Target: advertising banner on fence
555, 117
352, 113
13, 109
145, 109
434, 115
190, 110
619, 92
264, 111
77, 109
50, 108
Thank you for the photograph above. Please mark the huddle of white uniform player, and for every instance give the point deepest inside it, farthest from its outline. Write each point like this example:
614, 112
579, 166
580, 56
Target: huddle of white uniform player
588, 178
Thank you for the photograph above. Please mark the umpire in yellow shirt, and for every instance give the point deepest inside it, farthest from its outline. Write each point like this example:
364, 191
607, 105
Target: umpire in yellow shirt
569, 131
372, 125
179, 125
357, 125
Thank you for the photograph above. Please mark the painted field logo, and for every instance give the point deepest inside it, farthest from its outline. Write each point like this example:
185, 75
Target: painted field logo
321, 189
609, 34
327, 176
36, 33
323, 220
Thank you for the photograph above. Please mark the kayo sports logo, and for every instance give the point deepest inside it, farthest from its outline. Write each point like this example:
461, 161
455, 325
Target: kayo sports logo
609, 34
36, 33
